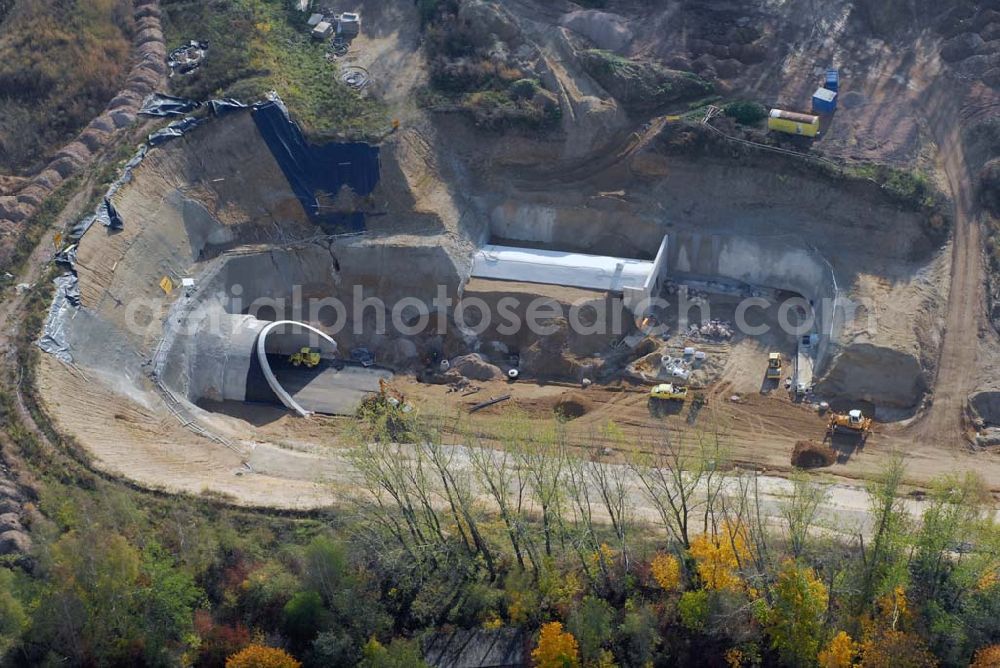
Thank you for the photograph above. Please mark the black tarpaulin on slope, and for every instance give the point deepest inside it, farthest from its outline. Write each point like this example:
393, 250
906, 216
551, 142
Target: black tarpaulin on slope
313, 170
158, 104
224, 106
174, 130
106, 213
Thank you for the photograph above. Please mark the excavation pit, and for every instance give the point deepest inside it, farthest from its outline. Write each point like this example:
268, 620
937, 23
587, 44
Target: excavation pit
217, 207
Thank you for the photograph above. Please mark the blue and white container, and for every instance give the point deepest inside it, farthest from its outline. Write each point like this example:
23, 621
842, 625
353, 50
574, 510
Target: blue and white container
824, 101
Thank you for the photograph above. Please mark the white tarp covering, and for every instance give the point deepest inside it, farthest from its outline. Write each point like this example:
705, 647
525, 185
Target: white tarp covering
592, 272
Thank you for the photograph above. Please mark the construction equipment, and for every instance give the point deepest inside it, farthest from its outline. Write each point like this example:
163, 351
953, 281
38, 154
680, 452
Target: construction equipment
308, 357
668, 392
774, 366
852, 422
363, 356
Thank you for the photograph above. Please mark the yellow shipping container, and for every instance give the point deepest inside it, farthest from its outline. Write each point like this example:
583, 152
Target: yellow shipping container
793, 123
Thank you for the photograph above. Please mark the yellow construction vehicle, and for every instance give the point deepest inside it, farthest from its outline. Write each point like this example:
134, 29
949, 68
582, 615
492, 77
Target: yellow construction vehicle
668, 392
774, 366
306, 356
852, 422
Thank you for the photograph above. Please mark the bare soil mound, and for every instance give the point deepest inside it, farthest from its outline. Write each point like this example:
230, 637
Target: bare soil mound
878, 374
810, 455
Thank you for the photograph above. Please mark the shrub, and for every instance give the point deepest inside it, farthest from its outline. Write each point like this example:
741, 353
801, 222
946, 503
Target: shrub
303, 616
399, 654
642, 85
987, 657
746, 113
693, 609
524, 88
989, 186
590, 624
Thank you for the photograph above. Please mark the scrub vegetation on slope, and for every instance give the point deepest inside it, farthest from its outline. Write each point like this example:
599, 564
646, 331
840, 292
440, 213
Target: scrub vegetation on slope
61, 61
256, 46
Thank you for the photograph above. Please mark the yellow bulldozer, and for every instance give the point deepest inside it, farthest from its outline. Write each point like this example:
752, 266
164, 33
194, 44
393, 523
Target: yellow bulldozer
774, 366
852, 422
306, 356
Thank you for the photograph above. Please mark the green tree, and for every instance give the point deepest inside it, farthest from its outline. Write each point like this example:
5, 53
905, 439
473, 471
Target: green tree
89, 615
693, 608
638, 636
110, 604
13, 619
882, 567
956, 545
590, 623
746, 113
166, 599
399, 654
303, 617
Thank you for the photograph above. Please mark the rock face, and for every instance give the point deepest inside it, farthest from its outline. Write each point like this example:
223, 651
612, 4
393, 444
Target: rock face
961, 46
887, 16
986, 407
607, 31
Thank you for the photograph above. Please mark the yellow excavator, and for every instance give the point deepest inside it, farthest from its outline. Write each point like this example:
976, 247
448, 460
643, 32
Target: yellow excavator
774, 366
852, 422
308, 357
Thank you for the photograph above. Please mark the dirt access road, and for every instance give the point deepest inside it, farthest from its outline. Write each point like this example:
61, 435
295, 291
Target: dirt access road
965, 319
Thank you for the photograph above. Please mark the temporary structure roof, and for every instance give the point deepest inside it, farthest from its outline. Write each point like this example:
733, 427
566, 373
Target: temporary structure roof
529, 265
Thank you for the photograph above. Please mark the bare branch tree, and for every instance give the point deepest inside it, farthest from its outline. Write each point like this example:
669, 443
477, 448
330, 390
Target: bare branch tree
801, 509
680, 482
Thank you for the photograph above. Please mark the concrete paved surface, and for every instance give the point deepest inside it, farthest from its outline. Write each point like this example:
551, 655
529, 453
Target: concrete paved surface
330, 388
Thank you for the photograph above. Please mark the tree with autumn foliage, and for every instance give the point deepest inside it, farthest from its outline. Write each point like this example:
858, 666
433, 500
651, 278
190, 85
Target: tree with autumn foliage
666, 570
839, 653
556, 648
718, 556
888, 640
260, 656
795, 617
987, 657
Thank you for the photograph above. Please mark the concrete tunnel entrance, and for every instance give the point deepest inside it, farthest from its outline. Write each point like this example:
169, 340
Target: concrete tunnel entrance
332, 387
244, 359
